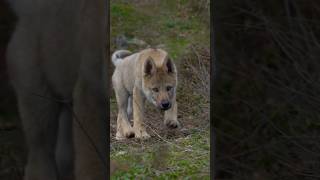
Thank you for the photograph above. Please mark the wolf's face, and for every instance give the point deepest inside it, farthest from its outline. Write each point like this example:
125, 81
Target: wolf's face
159, 83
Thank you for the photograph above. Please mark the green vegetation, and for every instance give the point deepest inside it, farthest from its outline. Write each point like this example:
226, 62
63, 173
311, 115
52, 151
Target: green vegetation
171, 23
185, 158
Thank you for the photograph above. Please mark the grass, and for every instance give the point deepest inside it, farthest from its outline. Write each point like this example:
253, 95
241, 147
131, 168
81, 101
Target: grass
160, 23
184, 158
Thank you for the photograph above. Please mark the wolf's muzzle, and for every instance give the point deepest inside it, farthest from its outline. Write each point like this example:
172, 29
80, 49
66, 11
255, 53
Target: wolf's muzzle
165, 105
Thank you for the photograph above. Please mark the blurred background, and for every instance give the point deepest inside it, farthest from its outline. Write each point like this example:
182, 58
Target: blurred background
12, 147
266, 100
182, 28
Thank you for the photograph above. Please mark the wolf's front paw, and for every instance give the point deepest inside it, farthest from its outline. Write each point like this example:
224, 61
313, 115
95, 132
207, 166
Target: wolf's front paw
141, 134
125, 134
172, 124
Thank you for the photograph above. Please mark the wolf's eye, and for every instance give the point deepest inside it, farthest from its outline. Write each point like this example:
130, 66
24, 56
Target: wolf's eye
155, 89
169, 88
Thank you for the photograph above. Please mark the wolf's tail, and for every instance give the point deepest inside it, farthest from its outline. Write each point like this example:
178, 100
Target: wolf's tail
119, 55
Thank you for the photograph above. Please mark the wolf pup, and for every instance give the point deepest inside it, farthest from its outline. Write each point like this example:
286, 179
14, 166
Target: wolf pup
149, 74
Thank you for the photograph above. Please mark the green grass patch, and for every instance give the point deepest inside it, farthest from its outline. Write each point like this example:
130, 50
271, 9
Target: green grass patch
158, 24
183, 158
125, 19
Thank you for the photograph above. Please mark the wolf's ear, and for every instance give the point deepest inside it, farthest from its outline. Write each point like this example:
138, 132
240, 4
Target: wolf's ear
149, 67
169, 66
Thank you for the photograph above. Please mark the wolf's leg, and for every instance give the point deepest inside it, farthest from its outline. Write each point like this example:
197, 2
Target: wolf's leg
40, 120
129, 108
170, 116
64, 147
138, 114
124, 129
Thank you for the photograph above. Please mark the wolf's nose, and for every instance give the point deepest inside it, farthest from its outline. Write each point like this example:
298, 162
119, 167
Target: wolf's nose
165, 105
